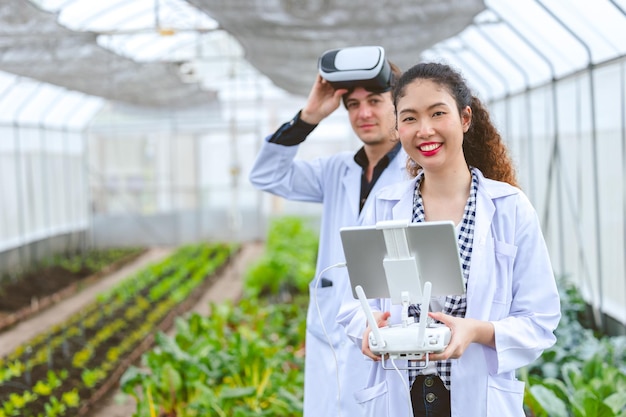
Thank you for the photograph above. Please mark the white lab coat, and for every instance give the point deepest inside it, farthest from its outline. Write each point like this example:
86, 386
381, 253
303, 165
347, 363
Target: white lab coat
511, 284
334, 181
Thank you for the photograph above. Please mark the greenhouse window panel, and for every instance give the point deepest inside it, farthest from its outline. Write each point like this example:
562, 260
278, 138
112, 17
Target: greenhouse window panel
516, 45
572, 35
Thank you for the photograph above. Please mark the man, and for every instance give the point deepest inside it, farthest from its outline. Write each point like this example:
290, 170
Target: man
343, 183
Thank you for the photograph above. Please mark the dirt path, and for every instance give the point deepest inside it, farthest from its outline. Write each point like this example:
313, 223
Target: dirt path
228, 286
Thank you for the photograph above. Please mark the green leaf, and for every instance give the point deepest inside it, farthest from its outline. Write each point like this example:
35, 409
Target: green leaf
558, 387
237, 392
617, 402
589, 405
549, 401
168, 345
171, 381
572, 376
131, 378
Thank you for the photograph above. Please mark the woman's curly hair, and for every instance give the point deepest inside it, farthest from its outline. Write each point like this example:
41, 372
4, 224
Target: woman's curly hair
482, 144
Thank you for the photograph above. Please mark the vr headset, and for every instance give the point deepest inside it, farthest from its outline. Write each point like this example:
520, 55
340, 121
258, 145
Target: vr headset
357, 66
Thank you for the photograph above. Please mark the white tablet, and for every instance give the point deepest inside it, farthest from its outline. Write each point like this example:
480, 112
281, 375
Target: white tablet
431, 246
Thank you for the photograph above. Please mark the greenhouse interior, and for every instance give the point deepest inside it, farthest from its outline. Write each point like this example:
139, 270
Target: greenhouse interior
129, 131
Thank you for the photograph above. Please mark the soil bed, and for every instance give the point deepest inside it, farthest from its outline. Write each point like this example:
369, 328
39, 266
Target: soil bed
40, 288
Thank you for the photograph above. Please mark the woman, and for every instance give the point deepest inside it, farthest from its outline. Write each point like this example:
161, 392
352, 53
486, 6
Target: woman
511, 307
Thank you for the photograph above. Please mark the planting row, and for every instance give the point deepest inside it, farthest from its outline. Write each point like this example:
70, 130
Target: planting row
54, 279
58, 372
245, 359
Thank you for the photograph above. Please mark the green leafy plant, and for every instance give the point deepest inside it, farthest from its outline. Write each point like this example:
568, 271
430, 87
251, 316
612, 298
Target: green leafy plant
238, 361
82, 357
54, 408
45, 388
71, 398
91, 377
11, 369
582, 375
288, 264
18, 402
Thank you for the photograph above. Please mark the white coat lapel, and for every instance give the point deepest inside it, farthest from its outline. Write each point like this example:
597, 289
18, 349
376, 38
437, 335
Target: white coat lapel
478, 286
396, 201
351, 182
404, 209
481, 288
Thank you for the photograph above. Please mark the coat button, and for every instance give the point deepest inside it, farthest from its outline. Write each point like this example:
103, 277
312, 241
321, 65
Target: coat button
428, 381
430, 397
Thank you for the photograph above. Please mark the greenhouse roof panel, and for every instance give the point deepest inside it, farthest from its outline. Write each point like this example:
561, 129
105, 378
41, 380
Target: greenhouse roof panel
177, 53
514, 45
42, 49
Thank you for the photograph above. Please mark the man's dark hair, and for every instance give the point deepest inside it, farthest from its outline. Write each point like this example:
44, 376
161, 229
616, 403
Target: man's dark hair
394, 76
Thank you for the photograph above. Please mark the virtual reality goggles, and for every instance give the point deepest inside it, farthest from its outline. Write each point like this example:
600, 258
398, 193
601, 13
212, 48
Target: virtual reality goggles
357, 66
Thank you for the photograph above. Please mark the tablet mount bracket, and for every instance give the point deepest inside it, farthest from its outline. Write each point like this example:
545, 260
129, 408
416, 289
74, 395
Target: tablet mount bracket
409, 340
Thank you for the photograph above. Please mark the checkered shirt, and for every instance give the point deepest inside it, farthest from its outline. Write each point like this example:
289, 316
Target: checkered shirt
454, 305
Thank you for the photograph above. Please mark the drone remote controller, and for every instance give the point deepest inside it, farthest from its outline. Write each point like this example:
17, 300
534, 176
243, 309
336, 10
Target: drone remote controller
408, 257
412, 341
404, 343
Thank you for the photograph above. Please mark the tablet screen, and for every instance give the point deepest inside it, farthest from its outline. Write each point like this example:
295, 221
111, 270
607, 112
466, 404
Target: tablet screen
432, 246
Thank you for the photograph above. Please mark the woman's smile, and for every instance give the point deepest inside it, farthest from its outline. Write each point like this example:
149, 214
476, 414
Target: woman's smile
430, 148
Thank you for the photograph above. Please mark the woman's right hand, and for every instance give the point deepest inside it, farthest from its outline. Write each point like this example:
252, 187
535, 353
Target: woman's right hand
381, 321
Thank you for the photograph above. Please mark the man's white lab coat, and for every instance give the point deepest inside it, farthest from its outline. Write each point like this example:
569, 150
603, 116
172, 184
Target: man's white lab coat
335, 182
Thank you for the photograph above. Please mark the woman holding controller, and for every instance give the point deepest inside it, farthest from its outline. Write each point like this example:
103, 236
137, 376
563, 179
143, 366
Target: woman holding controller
461, 172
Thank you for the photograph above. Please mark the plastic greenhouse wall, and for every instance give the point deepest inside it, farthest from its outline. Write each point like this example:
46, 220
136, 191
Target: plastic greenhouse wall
571, 158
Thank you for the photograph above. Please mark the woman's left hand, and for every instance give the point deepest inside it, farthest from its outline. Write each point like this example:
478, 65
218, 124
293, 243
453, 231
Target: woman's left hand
463, 331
